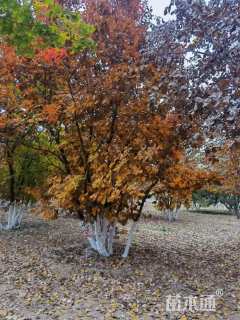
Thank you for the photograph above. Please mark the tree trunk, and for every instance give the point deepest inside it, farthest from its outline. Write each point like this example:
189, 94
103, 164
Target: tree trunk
112, 231
101, 236
129, 240
14, 217
237, 213
11, 170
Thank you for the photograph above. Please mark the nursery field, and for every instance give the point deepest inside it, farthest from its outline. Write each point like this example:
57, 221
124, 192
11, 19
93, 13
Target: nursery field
124, 117
47, 270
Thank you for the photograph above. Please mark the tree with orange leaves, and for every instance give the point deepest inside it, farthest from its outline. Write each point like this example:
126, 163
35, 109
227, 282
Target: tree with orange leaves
116, 146
42, 35
13, 119
178, 185
226, 162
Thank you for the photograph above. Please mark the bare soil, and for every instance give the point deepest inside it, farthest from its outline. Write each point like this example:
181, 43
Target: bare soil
47, 270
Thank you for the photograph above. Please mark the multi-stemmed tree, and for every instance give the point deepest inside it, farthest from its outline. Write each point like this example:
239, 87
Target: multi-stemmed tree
118, 147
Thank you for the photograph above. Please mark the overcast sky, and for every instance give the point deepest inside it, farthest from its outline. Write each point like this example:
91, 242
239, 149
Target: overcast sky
159, 6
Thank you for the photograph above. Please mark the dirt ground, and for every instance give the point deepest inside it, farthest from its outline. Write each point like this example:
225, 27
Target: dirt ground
47, 270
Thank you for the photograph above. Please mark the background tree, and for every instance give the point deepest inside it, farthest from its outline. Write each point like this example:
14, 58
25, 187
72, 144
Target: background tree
227, 164
13, 119
208, 31
40, 31
178, 186
204, 198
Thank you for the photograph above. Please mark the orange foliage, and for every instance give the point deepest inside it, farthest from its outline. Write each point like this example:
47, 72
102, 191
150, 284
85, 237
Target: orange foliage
180, 182
226, 162
52, 55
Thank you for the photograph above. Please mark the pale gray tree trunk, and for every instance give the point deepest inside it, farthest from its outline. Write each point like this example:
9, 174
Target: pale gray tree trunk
101, 236
14, 216
129, 240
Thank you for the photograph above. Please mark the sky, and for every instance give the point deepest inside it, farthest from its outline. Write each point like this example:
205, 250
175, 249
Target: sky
159, 6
